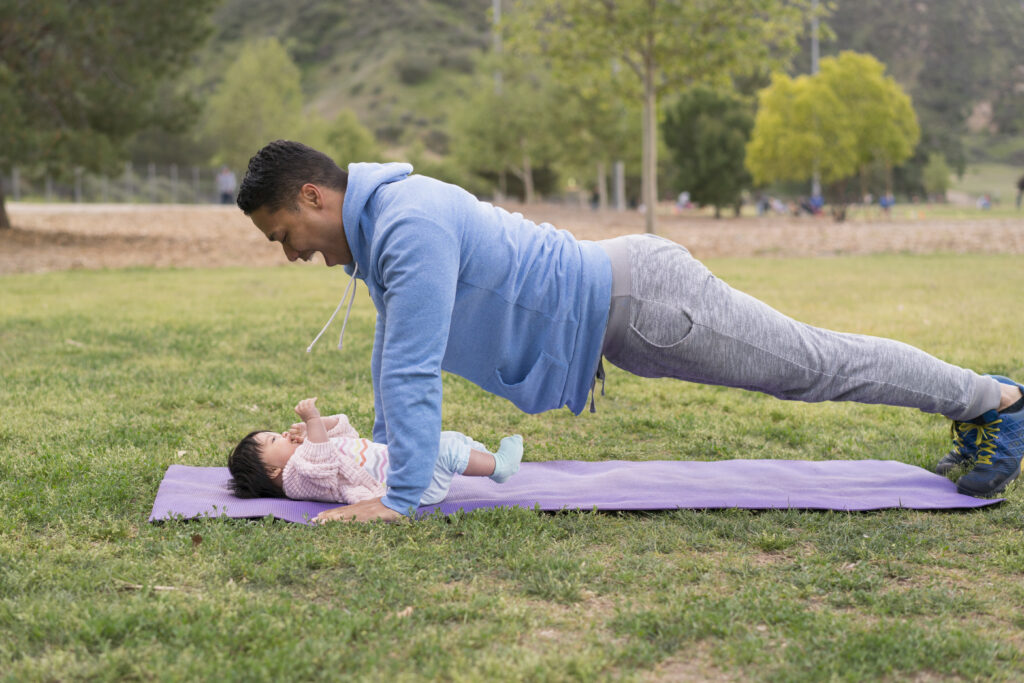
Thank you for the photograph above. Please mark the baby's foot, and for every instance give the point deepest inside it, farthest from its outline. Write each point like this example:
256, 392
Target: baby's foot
507, 459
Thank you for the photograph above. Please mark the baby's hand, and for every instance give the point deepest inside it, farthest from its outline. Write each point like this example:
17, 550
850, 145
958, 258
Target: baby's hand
307, 409
297, 432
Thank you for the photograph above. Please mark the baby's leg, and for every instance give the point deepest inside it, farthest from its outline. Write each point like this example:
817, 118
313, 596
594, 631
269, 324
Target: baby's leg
453, 457
498, 466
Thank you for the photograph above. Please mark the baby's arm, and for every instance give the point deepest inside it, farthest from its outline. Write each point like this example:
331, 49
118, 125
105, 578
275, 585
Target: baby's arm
315, 431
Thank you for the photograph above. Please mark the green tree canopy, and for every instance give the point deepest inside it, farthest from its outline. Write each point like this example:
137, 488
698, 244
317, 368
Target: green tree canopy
259, 100
936, 176
78, 78
345, 139
707, 133
508, 129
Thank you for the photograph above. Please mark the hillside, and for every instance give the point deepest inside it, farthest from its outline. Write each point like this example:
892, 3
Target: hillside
396, 63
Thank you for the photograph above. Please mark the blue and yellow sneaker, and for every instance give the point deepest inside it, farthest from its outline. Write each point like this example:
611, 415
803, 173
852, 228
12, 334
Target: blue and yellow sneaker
999, 447
965, 448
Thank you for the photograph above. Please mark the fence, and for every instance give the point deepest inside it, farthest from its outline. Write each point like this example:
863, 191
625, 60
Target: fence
151, 183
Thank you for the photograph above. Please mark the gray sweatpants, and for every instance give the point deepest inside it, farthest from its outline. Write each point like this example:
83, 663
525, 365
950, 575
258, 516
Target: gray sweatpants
670, 317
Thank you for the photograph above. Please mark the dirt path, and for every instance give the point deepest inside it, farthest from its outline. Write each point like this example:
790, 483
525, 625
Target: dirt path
49, 237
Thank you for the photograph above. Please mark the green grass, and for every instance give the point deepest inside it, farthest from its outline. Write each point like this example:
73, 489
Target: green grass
108, 377
998, 180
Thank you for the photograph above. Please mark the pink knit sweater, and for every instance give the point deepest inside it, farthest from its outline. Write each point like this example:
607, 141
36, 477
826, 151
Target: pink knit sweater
335, 471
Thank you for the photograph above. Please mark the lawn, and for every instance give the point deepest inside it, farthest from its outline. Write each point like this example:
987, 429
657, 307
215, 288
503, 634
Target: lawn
109, 377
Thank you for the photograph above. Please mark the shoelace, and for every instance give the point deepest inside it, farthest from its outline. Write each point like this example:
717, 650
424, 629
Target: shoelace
959, 432
987, 434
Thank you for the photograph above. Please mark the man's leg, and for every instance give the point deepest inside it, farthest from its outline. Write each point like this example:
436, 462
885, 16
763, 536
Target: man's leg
670, 317
683, 322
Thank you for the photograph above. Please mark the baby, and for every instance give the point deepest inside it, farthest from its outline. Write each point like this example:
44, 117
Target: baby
323, 458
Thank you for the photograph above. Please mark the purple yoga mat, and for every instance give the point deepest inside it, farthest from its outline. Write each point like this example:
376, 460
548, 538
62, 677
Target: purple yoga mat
848, 485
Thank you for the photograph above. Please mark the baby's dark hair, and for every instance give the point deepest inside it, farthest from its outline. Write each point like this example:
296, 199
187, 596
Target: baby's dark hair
249, 478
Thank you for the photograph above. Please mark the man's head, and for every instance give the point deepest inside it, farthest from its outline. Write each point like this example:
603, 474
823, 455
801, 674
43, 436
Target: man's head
257, 464
294, 195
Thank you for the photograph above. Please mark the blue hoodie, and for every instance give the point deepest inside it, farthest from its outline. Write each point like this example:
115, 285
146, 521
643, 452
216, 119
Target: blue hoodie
517, 308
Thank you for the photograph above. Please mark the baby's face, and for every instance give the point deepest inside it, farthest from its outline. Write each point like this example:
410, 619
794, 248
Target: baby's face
275, 449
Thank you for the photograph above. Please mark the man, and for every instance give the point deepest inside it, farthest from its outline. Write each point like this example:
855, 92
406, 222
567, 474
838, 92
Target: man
527, 312
226, 182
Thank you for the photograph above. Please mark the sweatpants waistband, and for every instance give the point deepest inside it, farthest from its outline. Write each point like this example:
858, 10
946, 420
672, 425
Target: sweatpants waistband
617, 249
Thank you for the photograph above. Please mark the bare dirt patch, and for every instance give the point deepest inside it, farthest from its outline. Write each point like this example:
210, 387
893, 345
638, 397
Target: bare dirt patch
49, 237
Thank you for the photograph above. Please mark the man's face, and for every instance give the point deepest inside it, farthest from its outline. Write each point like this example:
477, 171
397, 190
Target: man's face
310, 227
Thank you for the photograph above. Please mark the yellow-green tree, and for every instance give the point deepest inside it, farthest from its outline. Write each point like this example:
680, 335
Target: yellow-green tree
801, 126
880, 112
838, 122
259, 100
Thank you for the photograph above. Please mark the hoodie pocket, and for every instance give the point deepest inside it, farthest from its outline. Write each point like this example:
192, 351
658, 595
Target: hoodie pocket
541, 389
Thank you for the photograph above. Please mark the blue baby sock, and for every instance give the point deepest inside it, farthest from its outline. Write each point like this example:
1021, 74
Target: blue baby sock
507, 459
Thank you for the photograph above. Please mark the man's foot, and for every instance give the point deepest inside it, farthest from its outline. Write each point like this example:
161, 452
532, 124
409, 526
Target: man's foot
999, 446
507, 459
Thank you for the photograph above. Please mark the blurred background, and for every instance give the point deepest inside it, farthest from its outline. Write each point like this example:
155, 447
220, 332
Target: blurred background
726, 106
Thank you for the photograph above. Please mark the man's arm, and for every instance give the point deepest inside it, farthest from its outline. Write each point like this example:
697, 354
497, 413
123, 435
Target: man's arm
380, 425
419, 265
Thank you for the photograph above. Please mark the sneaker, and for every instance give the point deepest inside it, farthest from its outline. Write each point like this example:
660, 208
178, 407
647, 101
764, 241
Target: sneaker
999, 446
965, 447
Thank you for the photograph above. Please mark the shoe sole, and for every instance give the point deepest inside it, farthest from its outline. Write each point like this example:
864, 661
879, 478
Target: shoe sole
994, 492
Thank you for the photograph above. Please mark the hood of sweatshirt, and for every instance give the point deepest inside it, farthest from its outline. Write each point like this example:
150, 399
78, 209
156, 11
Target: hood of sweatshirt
363, 181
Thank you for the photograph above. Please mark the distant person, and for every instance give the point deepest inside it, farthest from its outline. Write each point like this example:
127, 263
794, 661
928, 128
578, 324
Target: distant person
1020, 191
984, 202
226, 184
528, 313
887, 201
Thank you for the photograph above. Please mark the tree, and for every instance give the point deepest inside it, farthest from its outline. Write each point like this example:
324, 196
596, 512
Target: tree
839, 121
508, 129
707, 132
936, 176
77, 79
801, 126
881, 113
665, 44
242, 116
344, 139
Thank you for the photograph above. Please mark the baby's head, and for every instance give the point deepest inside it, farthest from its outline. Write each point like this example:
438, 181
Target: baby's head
257, 463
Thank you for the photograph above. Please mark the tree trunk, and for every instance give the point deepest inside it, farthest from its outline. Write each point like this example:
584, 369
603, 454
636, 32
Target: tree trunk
527, 180
5, 222
718, 211
602, 186
502, 190
650, 152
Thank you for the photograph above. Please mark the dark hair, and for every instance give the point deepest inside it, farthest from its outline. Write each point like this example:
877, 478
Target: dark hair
279, 170
249, 478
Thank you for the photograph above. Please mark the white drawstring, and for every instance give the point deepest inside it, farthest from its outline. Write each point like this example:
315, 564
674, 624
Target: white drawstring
351, 284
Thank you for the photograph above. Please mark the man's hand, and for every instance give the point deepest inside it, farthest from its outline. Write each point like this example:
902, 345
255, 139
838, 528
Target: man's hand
371, 510
307, 409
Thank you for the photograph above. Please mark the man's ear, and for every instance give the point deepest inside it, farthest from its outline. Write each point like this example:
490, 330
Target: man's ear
311, 194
